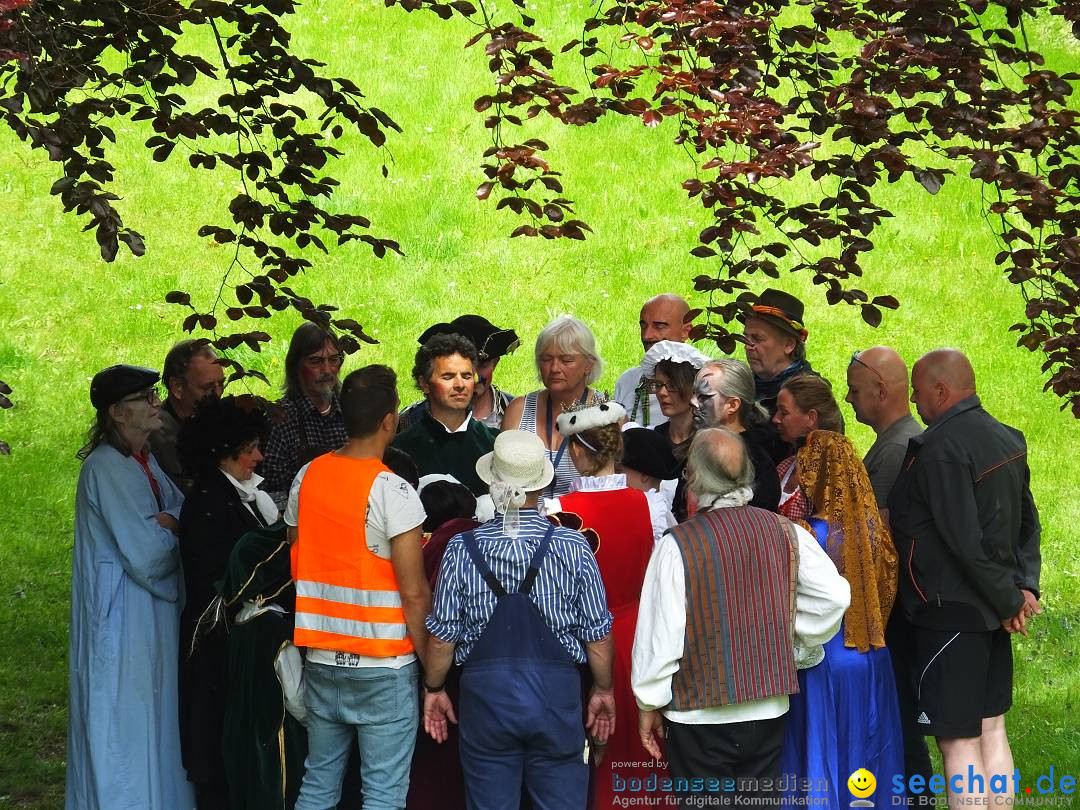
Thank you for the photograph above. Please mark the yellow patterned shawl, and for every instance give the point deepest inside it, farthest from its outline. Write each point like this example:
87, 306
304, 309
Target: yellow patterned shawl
834, 479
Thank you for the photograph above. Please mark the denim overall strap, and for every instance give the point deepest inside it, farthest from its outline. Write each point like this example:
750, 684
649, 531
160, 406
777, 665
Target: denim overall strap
469, 539
535, 563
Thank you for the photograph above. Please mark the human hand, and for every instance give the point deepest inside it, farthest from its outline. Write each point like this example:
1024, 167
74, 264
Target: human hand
167, 521
1017, 623
437, 711
651, 731
600, 715
1031, 604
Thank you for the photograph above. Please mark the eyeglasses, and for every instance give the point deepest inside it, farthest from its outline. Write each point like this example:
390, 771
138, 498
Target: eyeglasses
317, 360
855, 359
655, 387
150, 396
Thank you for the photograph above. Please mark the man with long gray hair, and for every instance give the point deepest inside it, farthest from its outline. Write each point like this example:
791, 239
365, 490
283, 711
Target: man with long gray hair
715, 686
313, 423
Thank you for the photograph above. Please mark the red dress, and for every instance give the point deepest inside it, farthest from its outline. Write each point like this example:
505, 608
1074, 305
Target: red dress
436, 781
620, 520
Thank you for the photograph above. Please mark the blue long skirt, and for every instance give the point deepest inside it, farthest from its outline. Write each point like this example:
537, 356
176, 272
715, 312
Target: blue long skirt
845, 717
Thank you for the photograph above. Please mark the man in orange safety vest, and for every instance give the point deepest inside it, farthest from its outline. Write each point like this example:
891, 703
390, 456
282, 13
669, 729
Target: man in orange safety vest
361, 599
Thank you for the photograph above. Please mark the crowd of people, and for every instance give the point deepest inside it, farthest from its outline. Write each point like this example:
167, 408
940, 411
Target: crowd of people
694, 591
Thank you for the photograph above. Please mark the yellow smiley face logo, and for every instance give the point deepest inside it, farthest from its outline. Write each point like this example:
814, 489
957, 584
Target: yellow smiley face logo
861, 783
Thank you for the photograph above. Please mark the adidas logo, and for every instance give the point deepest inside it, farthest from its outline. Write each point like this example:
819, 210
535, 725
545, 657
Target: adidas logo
923, 719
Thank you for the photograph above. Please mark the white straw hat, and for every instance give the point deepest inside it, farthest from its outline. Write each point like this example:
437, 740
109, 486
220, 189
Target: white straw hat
519, 459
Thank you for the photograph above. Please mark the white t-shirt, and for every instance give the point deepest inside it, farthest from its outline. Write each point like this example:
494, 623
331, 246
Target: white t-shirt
393, 508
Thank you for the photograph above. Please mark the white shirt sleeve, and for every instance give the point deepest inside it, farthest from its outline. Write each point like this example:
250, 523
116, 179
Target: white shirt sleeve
821, 594
661, 626
393, 508
625, 386
659, 513
292, 508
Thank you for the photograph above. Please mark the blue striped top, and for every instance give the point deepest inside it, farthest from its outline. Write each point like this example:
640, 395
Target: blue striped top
568, 591
565, 471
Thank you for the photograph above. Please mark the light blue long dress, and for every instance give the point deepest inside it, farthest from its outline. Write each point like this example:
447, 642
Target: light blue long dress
126, 595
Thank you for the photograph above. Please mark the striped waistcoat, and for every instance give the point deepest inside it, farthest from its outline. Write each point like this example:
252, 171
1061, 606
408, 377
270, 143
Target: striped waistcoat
740, 565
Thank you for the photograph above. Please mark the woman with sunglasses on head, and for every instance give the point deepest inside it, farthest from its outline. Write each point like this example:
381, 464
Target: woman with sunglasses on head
219, 448
622, 524
567, 363
126, 594
804, 404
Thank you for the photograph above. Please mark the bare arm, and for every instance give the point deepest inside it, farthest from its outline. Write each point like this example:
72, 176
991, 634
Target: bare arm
600, 714
512, 415
407, 559
438, 710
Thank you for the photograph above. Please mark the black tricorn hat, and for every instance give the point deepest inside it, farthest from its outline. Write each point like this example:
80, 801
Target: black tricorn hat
490, 340
779, 308
649, 453
112, 384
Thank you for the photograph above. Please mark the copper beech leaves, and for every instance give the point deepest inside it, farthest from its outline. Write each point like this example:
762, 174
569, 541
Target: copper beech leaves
70, 68
753, 96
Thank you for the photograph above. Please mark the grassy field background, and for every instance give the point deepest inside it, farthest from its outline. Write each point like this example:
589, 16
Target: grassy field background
64, 315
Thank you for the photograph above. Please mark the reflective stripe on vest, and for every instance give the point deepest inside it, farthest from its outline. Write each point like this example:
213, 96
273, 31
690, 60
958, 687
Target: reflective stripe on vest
347, 597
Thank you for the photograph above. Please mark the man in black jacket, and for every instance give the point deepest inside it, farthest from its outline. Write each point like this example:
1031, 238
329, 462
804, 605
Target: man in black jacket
967, 531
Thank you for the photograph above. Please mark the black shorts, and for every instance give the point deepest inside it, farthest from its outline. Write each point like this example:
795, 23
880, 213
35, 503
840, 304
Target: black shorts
961, 678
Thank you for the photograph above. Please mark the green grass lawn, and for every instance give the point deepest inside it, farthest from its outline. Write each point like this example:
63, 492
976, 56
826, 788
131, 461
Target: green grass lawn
64, 315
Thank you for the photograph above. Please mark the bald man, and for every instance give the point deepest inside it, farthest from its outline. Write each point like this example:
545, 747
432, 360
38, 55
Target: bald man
964, 521
662, 318
877, 381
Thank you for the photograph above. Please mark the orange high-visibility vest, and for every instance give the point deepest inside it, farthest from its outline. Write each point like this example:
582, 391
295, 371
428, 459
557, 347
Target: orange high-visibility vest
347, 598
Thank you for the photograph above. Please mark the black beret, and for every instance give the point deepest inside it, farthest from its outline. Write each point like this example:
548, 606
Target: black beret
649, 453
112, 384
490, 340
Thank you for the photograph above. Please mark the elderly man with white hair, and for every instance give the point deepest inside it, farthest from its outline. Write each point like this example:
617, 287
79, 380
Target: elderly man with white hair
719, 635
520, 605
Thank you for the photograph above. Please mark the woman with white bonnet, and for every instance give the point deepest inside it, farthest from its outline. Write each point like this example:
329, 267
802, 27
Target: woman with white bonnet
668, 371
567, 363
622, 524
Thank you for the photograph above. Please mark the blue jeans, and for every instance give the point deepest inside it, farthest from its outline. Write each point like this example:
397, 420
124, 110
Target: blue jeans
379, 706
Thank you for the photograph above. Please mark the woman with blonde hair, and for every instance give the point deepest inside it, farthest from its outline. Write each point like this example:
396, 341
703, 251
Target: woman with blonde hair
805, 404
567, 363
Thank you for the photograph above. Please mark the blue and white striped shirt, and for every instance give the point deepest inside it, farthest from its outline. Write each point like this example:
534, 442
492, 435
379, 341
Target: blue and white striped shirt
568, 590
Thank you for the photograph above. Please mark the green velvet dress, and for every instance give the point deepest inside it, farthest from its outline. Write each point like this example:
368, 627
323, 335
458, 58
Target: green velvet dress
264, 745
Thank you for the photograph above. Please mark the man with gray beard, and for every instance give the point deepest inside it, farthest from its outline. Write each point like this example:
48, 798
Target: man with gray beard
719, 635
313, 423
